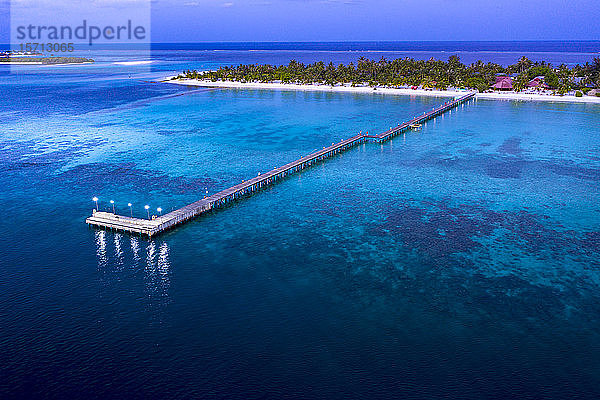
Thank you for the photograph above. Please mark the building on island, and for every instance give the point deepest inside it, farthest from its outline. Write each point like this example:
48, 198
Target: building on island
538, 83
503, 83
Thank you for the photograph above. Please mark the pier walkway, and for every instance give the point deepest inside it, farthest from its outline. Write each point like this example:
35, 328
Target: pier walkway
151, 227
421, 118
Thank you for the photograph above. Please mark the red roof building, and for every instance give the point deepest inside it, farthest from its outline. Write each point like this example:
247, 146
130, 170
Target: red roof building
503, 83
537, 82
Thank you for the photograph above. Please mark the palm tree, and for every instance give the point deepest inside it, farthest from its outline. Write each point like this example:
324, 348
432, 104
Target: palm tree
523, 64
404, 71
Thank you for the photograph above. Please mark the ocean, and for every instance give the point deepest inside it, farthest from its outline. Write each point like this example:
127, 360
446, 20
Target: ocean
459, 261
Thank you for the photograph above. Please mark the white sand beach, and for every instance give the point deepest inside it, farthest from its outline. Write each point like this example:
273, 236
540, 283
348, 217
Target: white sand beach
383, 90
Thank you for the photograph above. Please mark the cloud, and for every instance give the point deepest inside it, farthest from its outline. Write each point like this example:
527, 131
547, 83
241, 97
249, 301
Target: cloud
196, 3
331, 1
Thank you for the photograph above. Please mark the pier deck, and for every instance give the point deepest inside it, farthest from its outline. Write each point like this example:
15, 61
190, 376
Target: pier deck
151, 227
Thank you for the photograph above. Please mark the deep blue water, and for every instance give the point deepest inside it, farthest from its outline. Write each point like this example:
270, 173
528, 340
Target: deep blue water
459, 261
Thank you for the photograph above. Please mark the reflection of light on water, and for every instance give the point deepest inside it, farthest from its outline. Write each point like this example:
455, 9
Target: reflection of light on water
112, 255
118, 251
163, 259
100, 237
150, 255
163, 269
157, 275
135, 248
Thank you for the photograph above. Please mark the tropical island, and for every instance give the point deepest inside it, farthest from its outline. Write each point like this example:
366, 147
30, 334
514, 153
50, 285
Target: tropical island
524, 77
45, 60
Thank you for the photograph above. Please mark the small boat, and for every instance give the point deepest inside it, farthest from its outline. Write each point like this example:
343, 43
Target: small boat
415, 126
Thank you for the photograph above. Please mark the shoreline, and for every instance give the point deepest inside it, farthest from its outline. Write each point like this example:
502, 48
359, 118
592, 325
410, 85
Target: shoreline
383, 90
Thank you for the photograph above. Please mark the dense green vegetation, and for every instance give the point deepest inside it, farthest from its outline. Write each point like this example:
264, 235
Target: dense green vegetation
409, 72
46, 60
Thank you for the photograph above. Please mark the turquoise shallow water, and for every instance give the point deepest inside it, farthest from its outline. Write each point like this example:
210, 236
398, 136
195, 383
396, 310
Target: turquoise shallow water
457, 261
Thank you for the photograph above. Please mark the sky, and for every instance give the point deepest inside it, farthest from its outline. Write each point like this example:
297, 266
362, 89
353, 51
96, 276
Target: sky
347, 20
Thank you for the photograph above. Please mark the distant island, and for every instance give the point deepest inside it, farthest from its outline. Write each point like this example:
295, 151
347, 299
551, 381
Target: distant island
524, 76
45, 60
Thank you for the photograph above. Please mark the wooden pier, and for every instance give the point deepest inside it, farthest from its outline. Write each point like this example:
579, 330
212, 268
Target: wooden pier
418, 120
151, 227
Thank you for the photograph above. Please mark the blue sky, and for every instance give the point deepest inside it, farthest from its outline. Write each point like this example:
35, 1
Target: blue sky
354, 20
309, 20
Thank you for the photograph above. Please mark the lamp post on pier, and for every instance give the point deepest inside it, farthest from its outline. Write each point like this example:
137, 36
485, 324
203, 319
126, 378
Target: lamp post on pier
147, 207
159, 210
95, 199
130, 209
113, 205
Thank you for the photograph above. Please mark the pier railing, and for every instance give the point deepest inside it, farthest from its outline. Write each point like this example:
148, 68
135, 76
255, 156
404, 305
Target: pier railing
151, 227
